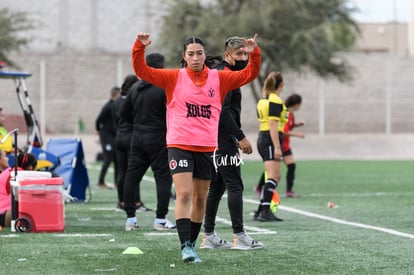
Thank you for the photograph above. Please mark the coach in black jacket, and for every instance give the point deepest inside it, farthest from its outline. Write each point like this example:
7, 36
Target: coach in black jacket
123, 139
145, 108
227, 160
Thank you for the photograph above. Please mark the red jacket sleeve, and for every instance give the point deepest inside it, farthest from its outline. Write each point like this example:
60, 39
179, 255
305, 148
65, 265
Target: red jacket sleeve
163, 78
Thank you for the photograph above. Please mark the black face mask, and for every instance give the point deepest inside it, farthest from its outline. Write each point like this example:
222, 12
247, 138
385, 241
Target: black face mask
239, 65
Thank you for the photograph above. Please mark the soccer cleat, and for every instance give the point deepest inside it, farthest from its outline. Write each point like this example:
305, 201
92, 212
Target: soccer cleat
166, 225
278, 219
245, 242
187, 253
213, 241
197, 259
268, 216
131, 226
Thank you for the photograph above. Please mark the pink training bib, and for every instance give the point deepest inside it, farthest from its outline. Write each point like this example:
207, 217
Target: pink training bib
193, 113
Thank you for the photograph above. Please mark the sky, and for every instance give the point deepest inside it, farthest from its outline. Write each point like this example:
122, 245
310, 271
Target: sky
383, 10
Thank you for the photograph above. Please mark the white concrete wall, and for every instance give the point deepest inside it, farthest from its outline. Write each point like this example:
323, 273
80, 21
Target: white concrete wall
83, 41
88, 25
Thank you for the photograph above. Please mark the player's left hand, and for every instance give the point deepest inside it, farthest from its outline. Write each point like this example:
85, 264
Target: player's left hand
245, 146
249, 44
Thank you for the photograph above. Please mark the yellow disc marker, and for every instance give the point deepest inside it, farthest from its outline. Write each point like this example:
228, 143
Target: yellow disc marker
132, 250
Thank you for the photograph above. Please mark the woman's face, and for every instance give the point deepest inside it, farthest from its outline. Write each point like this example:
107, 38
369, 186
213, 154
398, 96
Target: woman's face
195, 57
295, 107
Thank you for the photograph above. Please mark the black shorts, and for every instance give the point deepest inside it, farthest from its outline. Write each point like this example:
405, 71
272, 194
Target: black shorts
288, 152
2, 219
198, 163
265, 145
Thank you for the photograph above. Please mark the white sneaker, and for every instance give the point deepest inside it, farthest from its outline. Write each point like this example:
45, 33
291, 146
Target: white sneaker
213, 241
166, 225
131, 226
245, 242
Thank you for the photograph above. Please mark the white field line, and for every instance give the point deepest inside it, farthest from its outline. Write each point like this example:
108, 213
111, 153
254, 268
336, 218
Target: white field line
88, 235
339, 221
9, 236
144, 179
161, 233
83, 235
317, 216
150, 179
378, 194
252, 230
94, 167
104, 209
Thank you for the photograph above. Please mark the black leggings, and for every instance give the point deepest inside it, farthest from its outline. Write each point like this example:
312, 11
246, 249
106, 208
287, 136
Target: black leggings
109, 156
148, 150
227, 177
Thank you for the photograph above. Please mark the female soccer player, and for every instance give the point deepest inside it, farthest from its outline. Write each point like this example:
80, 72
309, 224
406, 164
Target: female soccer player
272, 115
194, 97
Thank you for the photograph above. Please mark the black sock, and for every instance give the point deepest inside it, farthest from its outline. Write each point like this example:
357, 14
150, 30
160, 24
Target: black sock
268, 190
195, 230
183, 230
290, 176
261, 182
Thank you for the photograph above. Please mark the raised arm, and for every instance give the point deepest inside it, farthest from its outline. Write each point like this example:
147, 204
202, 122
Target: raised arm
163, 78
250, 44
230, 80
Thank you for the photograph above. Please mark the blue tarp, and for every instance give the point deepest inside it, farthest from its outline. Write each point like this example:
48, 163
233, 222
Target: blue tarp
4, 74
72, 165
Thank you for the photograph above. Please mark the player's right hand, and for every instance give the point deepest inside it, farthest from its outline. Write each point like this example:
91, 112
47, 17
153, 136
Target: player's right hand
144, 38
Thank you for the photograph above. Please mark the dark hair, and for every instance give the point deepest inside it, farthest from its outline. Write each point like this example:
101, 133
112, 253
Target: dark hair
213, 61
193, 40
292, 100
128, 82
188, 41
115, 90
272, 83
25, 160
155, 60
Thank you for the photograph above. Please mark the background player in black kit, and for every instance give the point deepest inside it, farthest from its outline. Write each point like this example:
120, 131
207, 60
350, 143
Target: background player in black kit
104, 126
230, 139
122, 142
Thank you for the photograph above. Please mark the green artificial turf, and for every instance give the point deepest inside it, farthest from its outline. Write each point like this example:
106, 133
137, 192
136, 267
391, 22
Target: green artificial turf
373, 198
